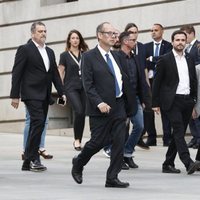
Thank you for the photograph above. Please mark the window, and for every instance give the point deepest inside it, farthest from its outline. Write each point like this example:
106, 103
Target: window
2, 1
53, 2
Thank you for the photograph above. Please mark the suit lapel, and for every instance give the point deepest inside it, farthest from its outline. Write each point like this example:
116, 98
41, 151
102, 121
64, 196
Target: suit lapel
194, 47
162, 48
189, 65
100, 58
173, 63
50, 58
38, 55
117, 60
151, 49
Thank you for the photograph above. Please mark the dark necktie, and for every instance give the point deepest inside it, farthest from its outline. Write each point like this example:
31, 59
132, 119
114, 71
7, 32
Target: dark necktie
156, 50
109, 62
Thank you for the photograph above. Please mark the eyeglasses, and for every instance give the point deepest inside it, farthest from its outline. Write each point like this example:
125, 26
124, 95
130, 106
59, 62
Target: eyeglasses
109, 33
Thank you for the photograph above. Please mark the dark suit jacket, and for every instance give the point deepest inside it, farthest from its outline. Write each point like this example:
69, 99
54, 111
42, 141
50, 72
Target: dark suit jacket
141, 55
140, 74
195, 52
166, 81
72, 78
99, 83
149, 50
30, 80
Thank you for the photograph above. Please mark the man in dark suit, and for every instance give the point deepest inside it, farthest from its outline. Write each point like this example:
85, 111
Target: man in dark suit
154, 50
33, 72
107, 93
193, 48
136, 75
140, 55
175, 91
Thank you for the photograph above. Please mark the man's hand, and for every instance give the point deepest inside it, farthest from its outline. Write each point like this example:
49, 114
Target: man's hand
15, 103
194, 114
104, 107
156, 110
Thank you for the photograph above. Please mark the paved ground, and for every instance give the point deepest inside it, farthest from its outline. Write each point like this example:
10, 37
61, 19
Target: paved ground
56, 183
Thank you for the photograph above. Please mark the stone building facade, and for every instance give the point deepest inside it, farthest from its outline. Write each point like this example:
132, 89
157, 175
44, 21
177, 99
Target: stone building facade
60, 16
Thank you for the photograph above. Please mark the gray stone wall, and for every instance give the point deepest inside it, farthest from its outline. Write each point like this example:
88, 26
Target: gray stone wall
16, 18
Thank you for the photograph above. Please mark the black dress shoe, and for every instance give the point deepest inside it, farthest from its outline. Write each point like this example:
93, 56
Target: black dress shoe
125, 166
77, 172
151, 143
36, 166
170, 169
26, 165
194, 166
116, 183
142, 145
129, 161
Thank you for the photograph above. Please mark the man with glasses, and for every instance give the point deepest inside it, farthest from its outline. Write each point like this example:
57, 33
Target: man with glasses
136, 75
107, 93
139, 53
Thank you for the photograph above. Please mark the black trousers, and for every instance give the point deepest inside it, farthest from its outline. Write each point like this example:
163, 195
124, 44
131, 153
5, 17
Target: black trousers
149, 120
166, 126
38, 113
149, 125
179, 116
77, 101
105, 130
198, 154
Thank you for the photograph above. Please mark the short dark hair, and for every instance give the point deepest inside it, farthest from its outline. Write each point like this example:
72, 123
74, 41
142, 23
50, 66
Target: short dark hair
33, 26
130, 25
188, 28
176, 33
124, 35
161, 26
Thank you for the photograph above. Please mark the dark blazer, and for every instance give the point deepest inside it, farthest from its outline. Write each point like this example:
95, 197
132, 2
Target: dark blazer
72, 78
30, 80
166, 81
141, 55
195, 52
140, 74
99, 83
149, 50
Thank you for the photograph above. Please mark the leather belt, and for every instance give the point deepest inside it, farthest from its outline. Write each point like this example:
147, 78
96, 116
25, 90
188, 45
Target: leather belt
183, 96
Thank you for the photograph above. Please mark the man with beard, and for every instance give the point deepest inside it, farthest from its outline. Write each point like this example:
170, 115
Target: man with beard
33, 73
175, 91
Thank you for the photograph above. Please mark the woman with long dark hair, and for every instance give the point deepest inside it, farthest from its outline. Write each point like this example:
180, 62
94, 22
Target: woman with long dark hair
70, 71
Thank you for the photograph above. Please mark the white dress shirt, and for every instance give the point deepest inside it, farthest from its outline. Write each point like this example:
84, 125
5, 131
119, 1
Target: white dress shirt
44, 55
182, 67
116, 67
